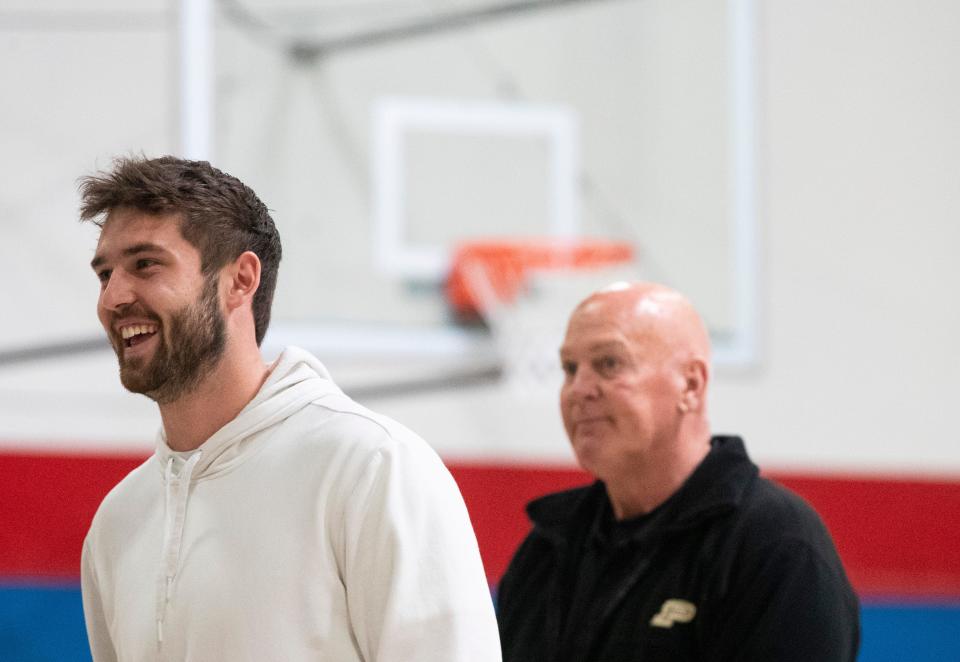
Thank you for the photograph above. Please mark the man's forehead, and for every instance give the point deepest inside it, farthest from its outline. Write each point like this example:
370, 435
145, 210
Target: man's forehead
128, 224
594, 344
650, 317
589, 332
602, 315
126, 229
611, 322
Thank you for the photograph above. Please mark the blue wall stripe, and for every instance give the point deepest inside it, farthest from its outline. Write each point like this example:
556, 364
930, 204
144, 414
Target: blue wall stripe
45, 624
910, 633
42, 624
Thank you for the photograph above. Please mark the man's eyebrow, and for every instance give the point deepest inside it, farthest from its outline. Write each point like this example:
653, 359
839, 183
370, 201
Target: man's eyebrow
597, 347
142, 247
608, 344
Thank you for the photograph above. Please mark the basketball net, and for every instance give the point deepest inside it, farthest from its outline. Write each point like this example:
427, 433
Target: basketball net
525, 292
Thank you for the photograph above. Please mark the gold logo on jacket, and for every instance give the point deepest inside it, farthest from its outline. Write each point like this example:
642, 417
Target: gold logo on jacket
673, 611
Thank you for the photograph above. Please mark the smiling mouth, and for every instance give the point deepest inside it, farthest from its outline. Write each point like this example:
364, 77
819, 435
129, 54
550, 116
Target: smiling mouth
135, 334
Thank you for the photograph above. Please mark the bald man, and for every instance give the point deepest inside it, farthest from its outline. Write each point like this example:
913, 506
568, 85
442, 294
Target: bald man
679, 550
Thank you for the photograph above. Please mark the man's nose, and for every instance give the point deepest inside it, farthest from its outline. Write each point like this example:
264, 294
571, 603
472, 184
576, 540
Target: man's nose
585, 384
117, 293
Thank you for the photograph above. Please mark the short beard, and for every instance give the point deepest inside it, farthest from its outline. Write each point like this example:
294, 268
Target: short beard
190, 347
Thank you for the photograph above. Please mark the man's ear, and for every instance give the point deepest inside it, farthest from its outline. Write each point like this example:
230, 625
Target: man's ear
242, 280
696, 374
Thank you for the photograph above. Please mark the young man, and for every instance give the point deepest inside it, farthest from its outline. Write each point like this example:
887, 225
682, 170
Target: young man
277, 519
679, 551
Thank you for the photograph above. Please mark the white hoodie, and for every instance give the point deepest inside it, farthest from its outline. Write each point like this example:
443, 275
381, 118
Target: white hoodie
307, 528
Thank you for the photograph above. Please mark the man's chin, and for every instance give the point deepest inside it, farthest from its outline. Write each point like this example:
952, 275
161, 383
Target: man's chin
588, 450
134, 377
132, 364
135, 385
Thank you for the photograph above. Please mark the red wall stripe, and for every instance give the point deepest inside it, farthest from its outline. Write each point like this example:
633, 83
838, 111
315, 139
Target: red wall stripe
46, 505
898, 538
496, 496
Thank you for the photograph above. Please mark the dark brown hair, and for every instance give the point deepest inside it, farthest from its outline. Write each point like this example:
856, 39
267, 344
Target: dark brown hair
221, 216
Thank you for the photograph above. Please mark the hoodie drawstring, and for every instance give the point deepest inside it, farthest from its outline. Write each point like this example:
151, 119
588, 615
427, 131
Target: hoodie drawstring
175, 510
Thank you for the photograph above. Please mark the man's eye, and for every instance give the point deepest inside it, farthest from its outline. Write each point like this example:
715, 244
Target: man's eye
143, 263
103, 276
569, 368
607, 364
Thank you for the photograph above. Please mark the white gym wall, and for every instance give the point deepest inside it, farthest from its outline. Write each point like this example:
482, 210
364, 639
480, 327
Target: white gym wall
858, 158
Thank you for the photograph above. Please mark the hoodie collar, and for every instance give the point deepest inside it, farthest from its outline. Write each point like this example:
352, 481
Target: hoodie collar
297, 379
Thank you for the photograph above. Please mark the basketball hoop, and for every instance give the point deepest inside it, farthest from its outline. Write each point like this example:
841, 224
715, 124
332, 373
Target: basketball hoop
525, 290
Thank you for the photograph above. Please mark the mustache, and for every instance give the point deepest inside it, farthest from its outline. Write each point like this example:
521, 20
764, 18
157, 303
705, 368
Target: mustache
135, 311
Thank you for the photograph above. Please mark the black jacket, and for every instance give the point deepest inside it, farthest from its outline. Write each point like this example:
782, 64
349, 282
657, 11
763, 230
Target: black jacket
731, 567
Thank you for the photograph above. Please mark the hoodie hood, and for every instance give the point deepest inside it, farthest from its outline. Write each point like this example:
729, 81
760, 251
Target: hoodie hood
296, 380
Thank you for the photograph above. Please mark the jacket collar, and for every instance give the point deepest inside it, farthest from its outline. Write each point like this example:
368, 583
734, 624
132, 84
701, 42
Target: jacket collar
716, 486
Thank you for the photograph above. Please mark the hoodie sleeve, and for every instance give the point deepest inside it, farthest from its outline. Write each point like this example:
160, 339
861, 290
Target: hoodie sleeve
101, 648
415, 584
